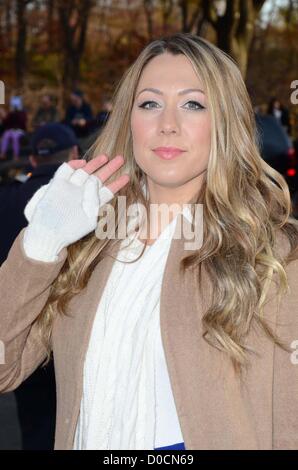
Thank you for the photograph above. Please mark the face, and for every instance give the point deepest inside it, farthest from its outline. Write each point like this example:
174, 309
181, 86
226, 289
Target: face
75, 100
170, 116
46, 101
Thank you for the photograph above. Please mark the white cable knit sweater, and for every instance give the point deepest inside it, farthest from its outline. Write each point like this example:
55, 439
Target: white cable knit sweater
127, 399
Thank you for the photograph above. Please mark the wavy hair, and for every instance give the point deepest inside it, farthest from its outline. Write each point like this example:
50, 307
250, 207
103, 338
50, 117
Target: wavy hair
245, 204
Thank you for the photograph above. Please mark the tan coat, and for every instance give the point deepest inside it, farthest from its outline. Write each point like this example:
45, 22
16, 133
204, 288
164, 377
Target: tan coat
216, 410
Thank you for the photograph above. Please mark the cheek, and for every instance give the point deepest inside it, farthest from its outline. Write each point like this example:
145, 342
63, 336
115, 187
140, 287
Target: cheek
199, 141
200, 134
140, 129
142, 132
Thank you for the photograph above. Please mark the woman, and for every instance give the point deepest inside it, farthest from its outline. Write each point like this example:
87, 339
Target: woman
158, 346
15, 126
281, 114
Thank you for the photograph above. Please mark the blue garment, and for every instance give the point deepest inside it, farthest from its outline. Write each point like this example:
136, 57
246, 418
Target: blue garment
178, 446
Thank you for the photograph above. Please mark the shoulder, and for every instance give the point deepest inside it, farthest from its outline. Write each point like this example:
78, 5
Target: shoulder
288, 308
283, 249
282, 245
288, 256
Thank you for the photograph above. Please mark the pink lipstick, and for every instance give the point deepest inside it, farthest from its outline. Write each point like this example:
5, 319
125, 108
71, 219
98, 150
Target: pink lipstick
167, 153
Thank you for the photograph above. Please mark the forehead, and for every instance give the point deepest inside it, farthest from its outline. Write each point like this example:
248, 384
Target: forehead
169, 71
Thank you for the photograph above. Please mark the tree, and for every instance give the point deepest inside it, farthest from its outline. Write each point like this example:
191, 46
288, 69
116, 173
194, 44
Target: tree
193, 19
20, 48
50, 4
149, 11
166, 11
234, 26
5, 25
74, 16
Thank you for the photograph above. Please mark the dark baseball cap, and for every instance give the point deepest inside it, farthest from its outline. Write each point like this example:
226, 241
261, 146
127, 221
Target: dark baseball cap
78, 93
52, 138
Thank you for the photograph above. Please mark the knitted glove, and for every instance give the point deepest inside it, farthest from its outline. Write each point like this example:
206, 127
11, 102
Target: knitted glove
63, 211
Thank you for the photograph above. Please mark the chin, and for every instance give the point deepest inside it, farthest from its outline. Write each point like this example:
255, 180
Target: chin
168, 182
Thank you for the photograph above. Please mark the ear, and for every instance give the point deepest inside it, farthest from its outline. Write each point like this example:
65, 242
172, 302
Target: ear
32, 161
73, 153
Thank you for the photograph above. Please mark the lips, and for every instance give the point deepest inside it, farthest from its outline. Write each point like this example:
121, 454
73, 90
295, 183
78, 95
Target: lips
168, 153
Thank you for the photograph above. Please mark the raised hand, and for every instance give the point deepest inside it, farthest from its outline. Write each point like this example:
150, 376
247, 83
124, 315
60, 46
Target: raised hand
66, 209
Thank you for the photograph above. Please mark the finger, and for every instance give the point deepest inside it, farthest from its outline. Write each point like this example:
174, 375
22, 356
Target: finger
118, 184
67, 169
64, 171
95, 163
79, 177
32, 203
90, 196
113, 165
75, 164
105, 195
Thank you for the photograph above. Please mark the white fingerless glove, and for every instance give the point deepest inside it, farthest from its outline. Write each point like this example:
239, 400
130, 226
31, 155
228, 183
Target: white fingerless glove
63, 211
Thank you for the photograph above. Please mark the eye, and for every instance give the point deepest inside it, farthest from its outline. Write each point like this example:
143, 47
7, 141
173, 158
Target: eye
145, 104
197, 104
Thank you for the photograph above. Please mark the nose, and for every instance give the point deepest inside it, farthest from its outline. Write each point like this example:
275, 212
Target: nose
168, 122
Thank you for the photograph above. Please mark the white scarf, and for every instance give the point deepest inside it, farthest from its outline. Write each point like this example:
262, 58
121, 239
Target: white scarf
118, 408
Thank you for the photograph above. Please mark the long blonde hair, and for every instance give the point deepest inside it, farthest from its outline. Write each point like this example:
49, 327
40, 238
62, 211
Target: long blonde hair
245, 202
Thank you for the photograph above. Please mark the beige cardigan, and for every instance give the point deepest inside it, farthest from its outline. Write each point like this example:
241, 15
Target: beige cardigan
216, 409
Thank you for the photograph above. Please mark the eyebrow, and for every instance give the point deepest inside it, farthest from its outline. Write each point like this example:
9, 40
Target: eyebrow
182, 92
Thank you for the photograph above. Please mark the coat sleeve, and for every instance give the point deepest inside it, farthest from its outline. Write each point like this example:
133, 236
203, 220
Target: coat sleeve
24, 289
285, 373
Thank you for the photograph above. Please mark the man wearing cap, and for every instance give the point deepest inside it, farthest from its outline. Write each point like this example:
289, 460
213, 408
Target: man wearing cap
52, 144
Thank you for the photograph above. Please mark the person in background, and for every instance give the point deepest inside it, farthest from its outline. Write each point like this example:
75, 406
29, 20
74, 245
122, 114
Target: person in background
103, 115
2, 117
46, 113
15, 126
281, 113
78, 114
52, 145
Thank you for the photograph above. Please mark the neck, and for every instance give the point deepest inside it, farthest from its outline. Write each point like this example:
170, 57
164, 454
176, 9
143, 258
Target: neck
165, 202
179, 195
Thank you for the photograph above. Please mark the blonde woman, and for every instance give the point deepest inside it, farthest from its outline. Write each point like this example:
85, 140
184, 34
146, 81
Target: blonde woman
157, 346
